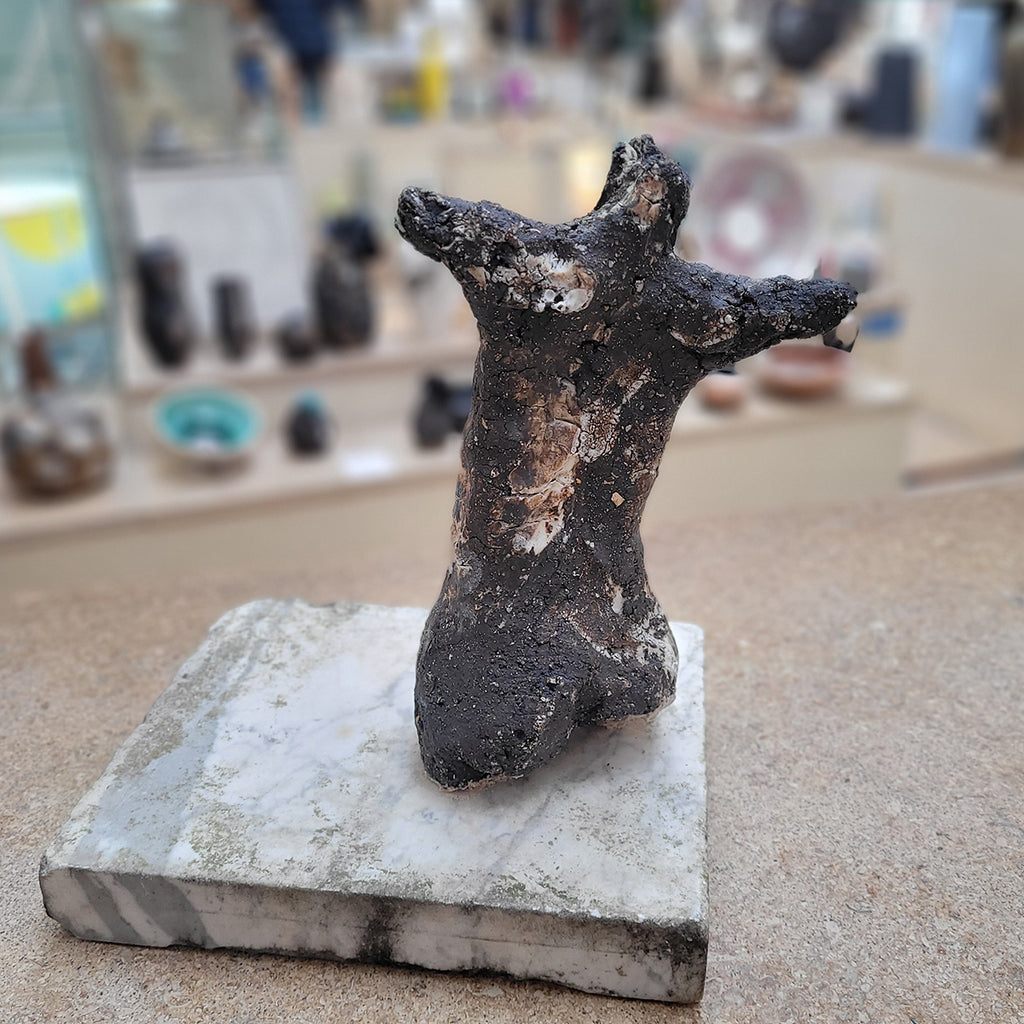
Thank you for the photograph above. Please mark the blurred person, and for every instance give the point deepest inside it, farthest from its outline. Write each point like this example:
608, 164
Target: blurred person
262, 74
306, 30
251, 68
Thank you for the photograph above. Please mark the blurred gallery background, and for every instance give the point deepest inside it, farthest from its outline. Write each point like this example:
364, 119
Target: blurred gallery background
216, 352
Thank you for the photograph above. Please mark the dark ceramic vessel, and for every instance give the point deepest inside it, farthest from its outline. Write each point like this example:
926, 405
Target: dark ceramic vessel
296, 340
234, 320
308, 426
164, 316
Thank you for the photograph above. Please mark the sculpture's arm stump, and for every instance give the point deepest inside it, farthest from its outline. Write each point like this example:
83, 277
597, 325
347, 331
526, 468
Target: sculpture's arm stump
723, 318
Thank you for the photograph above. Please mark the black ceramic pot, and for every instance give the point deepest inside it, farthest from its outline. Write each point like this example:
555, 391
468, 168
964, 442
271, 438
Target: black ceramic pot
163, 312
443, 409
342, 301
296, 340
308, 426
801, 33
233, 316
432, 422
353, 234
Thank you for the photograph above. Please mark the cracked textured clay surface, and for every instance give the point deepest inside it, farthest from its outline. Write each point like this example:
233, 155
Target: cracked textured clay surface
591, 335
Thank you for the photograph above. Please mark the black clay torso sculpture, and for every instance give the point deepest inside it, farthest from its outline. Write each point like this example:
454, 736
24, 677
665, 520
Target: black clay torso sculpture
591, 335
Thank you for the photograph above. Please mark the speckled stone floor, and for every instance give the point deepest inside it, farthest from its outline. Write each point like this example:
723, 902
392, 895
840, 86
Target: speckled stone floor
865, 769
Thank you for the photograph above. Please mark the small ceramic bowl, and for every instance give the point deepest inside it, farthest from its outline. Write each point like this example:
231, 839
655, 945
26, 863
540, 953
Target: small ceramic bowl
722, 391
801, 371
207, 427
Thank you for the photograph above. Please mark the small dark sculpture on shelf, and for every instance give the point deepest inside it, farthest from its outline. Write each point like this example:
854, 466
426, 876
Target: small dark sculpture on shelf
233, 316
296, 340
164, 315
591, 335
342, 296
342, 300
355, 235
55, 444
308, 425
444, 409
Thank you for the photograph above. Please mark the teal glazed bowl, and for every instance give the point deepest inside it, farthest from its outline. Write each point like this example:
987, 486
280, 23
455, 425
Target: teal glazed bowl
207, 426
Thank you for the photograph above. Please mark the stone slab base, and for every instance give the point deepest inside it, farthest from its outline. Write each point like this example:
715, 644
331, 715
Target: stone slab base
273, 800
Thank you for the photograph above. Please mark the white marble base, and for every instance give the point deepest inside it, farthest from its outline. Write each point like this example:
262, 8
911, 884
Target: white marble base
273, 799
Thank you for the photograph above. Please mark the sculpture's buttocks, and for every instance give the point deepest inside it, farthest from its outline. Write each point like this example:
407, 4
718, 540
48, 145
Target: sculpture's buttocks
592, 333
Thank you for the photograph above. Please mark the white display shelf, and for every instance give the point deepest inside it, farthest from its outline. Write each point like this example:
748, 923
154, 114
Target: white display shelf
150, 486
264, 367
400, 344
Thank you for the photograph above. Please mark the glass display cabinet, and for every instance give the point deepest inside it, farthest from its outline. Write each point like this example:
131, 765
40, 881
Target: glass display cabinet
58, 203
180, 87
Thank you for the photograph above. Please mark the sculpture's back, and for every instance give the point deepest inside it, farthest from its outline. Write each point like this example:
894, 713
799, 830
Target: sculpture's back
592, 333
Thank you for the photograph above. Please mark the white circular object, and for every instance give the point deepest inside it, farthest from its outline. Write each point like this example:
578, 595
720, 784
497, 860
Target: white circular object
745, 227
751, 213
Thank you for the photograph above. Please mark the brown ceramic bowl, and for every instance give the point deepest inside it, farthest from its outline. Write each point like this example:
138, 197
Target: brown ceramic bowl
800, 371
722, 391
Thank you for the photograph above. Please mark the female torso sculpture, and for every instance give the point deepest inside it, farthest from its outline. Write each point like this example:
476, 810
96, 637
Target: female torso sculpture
591, 335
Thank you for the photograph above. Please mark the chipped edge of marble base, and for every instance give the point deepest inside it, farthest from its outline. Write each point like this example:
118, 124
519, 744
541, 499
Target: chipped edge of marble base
668, 961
